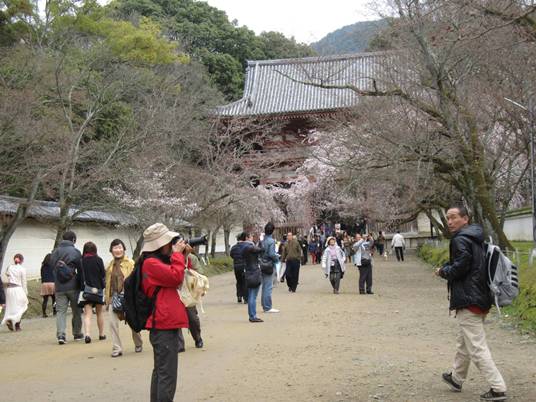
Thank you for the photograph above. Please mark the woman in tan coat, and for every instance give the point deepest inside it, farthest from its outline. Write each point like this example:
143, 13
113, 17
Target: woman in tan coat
117, 270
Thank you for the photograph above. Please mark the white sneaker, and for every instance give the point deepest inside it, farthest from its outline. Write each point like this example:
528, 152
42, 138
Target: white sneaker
272, 310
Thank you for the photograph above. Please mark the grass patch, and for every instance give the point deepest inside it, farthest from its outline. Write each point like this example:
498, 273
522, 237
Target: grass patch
523, 310
434, 255
524, 306
218, 265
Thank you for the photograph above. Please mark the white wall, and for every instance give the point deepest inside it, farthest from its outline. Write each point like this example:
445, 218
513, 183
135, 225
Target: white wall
518, 227
35, 239
220, 243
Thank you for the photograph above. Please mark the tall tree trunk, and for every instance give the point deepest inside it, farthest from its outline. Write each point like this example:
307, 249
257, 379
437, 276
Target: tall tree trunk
213, 242
139, 244
441, 229
209, 237
10, 224
226, 236
64, 222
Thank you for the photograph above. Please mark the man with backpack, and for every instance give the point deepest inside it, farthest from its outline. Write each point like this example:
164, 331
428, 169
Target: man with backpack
470, 297
66, 260
161, 269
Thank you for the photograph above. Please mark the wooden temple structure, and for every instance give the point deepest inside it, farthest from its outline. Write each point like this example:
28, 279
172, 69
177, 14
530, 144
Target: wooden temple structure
292, 93
288, 91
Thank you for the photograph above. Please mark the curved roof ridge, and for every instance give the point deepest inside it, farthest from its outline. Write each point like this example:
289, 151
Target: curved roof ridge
316, 59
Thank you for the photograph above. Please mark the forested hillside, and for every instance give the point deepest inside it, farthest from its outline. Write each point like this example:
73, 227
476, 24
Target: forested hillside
349, 39
206, 34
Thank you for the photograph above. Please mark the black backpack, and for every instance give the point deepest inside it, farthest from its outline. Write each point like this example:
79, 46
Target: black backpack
64, 272
138, 306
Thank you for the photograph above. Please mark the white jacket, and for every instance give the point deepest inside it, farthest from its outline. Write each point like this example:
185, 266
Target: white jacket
398, 241
326, 260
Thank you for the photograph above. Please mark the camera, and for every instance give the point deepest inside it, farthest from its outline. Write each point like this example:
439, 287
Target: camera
193, 242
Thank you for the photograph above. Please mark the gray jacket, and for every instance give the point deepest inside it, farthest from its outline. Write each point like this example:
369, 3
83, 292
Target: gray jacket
363, 250
68, 253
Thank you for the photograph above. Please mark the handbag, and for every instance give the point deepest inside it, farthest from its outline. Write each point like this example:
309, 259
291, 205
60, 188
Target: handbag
267, 266
253, 278
266, 263
92, 295
118, 302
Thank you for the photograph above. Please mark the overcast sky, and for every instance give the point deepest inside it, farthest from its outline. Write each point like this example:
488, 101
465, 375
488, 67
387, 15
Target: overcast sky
307, 20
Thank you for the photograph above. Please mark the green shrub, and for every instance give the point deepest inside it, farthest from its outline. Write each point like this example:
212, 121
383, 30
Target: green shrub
218, 265
436, 256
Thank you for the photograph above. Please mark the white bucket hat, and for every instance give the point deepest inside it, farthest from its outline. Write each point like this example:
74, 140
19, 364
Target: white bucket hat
156, 236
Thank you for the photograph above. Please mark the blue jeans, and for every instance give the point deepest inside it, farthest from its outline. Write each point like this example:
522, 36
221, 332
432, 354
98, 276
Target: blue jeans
252, 302
266, 296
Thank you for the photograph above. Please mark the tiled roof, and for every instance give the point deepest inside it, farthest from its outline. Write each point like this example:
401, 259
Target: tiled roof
48, 210
281, 86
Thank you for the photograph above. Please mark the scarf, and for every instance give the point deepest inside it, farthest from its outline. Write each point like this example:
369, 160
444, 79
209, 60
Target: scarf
117, 276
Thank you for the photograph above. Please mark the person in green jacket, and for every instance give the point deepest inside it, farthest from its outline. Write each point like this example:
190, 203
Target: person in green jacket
292, 254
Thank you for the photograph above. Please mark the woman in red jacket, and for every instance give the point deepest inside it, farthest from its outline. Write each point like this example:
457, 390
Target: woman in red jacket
163, 272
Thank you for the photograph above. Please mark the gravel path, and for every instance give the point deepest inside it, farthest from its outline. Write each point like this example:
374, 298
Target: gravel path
391, 346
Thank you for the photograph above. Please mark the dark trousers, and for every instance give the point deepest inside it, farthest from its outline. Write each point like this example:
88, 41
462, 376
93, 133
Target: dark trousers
399, 251
241, 288
166, 360
195, 324
293, 274
335, 279
365, 278
380, 248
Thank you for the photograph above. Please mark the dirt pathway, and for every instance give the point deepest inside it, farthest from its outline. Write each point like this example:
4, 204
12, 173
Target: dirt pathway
391, 346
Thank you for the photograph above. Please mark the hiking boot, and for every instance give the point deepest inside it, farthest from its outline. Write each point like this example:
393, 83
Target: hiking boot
491, 395
61, 340
454, 386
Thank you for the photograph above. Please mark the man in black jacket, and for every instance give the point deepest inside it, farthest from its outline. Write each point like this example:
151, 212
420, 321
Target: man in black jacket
470, 297
239, 265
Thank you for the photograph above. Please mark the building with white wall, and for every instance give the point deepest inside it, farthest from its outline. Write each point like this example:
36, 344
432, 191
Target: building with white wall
34, 238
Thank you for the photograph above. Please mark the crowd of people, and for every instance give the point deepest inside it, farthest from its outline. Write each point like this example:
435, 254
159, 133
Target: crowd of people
258, 267
81, 281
